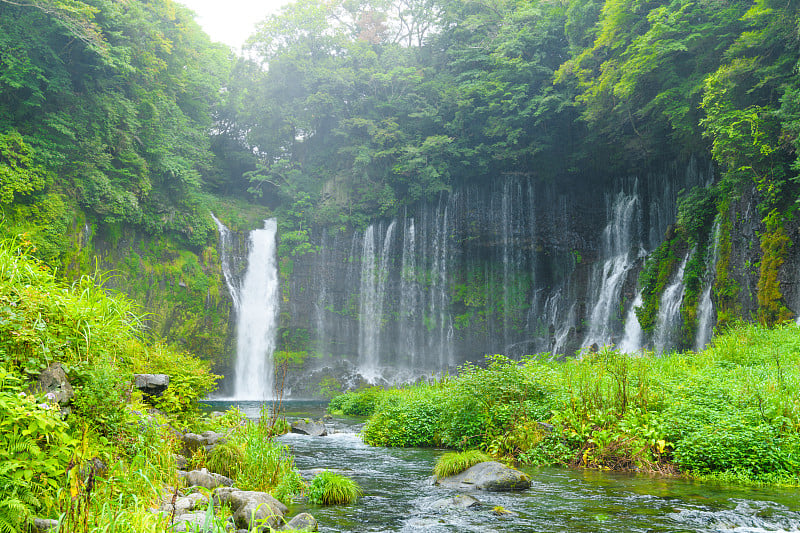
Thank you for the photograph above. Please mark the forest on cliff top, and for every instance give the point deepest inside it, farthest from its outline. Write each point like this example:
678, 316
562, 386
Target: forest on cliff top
343, 111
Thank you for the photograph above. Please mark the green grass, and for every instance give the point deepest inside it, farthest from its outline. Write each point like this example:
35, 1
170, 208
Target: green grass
227, 459
329, 488
454, 463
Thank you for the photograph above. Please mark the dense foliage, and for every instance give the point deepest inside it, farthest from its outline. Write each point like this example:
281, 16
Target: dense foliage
730, 412
106, 107
50, 463
363, 119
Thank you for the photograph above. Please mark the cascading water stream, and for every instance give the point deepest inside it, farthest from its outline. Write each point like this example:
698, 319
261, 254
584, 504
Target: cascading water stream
374, 275
409, 297
225, 261
705, 307
258, 318
669, 309
618, 253
632, 337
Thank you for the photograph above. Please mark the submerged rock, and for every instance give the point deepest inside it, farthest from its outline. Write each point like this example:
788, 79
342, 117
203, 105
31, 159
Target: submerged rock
309, 427
489, 475
461, 501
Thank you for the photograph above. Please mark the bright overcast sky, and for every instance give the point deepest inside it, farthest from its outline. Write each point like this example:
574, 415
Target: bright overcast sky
232, 21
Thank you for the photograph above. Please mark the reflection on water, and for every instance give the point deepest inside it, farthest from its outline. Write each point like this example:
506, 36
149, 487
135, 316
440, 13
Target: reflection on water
398, 494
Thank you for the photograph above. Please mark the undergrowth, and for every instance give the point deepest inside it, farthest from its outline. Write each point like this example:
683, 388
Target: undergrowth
730, 412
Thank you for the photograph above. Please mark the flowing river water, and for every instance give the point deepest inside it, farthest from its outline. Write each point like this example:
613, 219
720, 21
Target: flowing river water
399, 494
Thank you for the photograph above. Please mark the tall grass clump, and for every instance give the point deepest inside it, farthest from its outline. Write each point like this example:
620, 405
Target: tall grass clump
267, 465
329, 488
452, 463
226, 458
357, 403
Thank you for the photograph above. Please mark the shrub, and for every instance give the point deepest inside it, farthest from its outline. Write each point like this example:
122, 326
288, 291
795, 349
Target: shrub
453, 463
328, 488
357, 403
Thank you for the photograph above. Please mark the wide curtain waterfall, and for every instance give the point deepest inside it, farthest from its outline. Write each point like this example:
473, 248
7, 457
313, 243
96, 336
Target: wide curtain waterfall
512, 266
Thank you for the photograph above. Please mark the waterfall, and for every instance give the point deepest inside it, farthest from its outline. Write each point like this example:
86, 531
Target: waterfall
225, 261
368, 326
705, 307
374, 276
258, 318
632, 337
409, 296
669, 309
617, 259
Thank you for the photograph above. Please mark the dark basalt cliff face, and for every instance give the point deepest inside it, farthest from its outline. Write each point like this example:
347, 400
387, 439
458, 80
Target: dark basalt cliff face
514, 267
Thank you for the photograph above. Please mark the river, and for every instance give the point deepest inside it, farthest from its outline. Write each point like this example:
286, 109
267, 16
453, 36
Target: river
399, 494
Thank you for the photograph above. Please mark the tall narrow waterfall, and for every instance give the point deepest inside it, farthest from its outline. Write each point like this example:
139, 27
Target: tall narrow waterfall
374, 276
225, 261
618, 255
669, 309
632, 337
705, 307
258, 318
409, 296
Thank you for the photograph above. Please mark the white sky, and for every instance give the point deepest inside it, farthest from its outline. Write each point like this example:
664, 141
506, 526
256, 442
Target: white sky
232, 21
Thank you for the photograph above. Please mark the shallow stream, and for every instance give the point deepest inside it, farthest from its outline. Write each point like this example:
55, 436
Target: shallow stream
399, 494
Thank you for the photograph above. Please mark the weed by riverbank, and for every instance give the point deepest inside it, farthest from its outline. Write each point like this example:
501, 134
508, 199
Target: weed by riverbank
731, 412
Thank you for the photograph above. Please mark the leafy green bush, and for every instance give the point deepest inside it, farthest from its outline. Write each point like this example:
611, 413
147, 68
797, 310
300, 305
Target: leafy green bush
329, 488
35, 444
357, 403
453, 463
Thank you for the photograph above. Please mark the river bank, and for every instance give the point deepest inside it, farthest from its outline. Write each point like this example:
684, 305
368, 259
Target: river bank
399, 494
730, 412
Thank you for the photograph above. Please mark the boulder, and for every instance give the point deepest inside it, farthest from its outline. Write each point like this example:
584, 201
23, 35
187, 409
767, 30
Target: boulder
151, 384
209, 480
461, 501
44, 525
180, 461
207, 440
489, 475
302, 522
250, 506
53, 382
183, 505
309, 427
191, 443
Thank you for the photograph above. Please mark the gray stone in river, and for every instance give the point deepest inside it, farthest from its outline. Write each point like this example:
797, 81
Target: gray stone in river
461, 501
489, 475
309, 427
